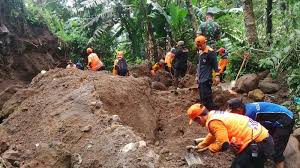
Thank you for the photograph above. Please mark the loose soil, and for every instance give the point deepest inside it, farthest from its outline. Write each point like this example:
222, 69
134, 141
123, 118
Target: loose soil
57, 106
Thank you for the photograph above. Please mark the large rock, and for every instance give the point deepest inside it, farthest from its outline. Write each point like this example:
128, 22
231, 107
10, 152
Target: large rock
247, 83
268, 87
263, 74
3, 147
256, 95
47, 156
12, 156
292, 153
296, 134
7, 94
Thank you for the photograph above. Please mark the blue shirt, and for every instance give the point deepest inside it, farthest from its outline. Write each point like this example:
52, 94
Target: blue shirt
264, 109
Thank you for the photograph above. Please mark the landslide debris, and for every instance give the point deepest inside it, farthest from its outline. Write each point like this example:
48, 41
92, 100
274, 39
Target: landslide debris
73, 118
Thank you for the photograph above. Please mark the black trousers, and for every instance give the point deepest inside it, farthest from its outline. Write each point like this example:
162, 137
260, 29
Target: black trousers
205, 94
245, 159
179, 72
281, 137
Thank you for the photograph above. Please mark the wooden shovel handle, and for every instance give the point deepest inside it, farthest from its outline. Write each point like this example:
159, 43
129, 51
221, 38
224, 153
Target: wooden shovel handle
243, 63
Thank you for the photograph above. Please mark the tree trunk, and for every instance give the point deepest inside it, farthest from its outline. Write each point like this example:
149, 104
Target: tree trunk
249, 19
269, 22
192, 16
151, 48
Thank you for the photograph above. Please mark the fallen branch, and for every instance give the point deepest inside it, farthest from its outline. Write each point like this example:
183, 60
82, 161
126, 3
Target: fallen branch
36, 46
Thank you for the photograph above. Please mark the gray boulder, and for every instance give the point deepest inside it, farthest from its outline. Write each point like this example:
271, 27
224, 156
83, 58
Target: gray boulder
268, 86
247, 83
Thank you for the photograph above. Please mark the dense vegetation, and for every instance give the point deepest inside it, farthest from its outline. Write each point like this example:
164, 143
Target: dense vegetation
146, 29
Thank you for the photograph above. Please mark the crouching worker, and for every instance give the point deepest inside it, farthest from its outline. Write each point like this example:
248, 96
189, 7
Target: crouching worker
94, 63
120, 65
276, 118
249, 139
157, 67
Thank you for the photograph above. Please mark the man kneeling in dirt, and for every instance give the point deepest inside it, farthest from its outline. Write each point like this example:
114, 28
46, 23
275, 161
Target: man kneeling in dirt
157, 67
249, 139
94, 62
276, 118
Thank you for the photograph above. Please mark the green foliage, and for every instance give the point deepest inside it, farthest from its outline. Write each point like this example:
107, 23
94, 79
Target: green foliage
113, 25
294, 81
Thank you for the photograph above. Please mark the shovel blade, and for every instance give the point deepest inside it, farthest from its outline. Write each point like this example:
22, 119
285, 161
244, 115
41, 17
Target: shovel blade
192, 159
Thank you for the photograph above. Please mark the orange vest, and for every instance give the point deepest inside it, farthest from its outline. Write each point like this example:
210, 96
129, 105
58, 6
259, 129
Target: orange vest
222, 64
239, 127
94, 62
169, 58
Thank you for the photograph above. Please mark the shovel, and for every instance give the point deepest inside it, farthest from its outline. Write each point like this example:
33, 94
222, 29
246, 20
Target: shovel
191, 157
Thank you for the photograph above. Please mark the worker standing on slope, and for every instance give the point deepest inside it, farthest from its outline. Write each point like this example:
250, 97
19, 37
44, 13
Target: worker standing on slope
276, 118
223, 62
248, 138
210, 29
94, 63
120, 65
180, 62
207, 62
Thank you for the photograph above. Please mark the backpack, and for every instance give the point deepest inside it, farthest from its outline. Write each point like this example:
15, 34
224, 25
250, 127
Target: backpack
122, 67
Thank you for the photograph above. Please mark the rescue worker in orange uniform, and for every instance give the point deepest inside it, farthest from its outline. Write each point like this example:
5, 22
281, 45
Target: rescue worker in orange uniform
276, 118
223, 62
157, 67
94, 63
249, 139
169, 59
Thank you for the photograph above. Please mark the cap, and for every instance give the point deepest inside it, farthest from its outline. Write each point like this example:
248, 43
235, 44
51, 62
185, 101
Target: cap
222, 50
235, 103
180, 43
200, 40
89, 50
173, 50
194, 111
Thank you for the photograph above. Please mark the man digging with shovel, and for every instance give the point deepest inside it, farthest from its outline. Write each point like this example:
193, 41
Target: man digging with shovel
248, 138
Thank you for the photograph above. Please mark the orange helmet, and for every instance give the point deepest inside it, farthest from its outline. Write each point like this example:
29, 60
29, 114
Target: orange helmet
200, 40
194, 111
89, 50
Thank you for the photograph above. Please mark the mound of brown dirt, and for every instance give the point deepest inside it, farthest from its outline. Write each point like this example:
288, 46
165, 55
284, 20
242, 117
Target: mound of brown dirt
80, 118
61, 103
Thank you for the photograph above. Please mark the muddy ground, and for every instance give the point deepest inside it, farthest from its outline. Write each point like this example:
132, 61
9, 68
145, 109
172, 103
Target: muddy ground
73, 112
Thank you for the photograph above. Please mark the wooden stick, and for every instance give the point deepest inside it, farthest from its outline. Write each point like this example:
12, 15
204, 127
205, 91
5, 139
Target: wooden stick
243, 63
